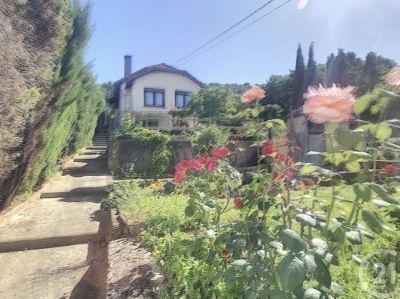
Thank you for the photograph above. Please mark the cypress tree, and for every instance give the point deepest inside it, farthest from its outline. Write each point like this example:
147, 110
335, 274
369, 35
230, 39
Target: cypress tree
341, 68
299, 75
312, 77
370, 72
331, 72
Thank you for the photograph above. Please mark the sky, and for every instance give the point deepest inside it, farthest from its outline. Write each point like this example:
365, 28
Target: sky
164, 31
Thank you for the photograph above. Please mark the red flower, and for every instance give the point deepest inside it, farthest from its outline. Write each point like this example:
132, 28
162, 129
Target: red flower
203, 159
237, 201
212, 164
285, 159
180, 176
267, 148
290, 175
390, 168
221, 152
309, 183
195, 164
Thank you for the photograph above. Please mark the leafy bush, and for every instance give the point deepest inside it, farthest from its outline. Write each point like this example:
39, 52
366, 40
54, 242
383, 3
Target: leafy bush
155, 142
209, 137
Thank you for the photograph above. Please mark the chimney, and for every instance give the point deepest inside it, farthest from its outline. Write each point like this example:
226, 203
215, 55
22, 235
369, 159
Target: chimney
128, 65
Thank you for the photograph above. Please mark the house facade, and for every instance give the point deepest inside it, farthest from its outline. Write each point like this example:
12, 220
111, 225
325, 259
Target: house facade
153, 91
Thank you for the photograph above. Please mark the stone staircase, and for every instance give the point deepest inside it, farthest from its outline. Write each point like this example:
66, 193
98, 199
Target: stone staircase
57, 246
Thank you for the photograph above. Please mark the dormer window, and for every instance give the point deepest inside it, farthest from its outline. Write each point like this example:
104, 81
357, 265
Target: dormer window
154, 97
182, 98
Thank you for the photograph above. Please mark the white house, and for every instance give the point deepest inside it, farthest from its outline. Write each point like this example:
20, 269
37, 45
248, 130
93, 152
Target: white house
153, 91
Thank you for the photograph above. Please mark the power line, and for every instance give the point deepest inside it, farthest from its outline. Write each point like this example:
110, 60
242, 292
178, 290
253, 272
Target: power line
224, 32
233, 34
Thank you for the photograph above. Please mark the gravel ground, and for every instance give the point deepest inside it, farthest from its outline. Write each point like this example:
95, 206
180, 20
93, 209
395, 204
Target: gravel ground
132, 272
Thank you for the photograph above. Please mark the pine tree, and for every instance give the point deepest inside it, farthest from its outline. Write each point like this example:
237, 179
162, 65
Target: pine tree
299, 75
312, 76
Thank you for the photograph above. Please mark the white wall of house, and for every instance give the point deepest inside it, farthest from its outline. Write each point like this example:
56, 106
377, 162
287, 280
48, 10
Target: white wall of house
132, 99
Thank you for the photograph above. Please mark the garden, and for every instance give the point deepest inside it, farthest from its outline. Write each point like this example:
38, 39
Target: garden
287, 228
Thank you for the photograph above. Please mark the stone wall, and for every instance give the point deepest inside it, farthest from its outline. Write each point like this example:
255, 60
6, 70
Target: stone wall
126, 157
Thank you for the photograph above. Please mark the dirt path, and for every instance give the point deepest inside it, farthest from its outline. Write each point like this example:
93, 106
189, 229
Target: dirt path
59, 246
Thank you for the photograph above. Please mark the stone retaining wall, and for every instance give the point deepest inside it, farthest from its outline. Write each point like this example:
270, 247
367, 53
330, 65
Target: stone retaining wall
126, 157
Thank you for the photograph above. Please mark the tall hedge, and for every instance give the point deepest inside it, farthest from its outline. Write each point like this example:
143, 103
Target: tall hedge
75, 109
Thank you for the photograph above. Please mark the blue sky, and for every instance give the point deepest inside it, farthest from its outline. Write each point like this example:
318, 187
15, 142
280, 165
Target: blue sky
156, 31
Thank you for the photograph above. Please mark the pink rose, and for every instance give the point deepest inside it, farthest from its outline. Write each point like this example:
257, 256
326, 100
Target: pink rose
329, 105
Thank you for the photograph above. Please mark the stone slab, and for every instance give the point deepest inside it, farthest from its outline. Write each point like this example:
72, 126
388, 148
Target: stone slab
52, 222
51, 273
68, 183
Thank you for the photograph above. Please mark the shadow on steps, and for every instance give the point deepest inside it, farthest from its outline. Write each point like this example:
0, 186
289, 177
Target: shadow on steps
78, 192
94, 283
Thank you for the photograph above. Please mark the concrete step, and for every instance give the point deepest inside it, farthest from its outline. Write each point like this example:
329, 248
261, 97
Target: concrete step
93, 152
86, 171
76, 271
53, 222
97, 147
78, 184
91, 158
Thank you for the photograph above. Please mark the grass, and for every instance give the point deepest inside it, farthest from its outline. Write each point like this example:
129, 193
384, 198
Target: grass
146, 202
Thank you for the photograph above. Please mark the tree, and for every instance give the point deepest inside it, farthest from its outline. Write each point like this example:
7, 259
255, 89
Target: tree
280, 91
211, 103
298, 80
312, 76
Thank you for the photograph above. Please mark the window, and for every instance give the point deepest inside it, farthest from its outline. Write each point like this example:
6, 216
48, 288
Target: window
182, 98
154, 97
152, 123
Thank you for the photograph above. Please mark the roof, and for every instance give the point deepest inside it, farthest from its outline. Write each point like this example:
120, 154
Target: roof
162, 67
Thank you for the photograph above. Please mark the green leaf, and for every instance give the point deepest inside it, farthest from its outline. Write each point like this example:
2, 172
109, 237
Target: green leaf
230, 277
306, 219
307, 169
292, 240
264, 205
381, 203
372, 221
337, 289
364, 102
363, 191
291, 272
355, 237
315, 294
322, 274
239, 263
353, 166
190, 210
250, 271
335, 232
382, 131
381, 192
350, 139
310, 265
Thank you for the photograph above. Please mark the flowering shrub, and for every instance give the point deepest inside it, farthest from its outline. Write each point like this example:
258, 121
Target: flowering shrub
281, 240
